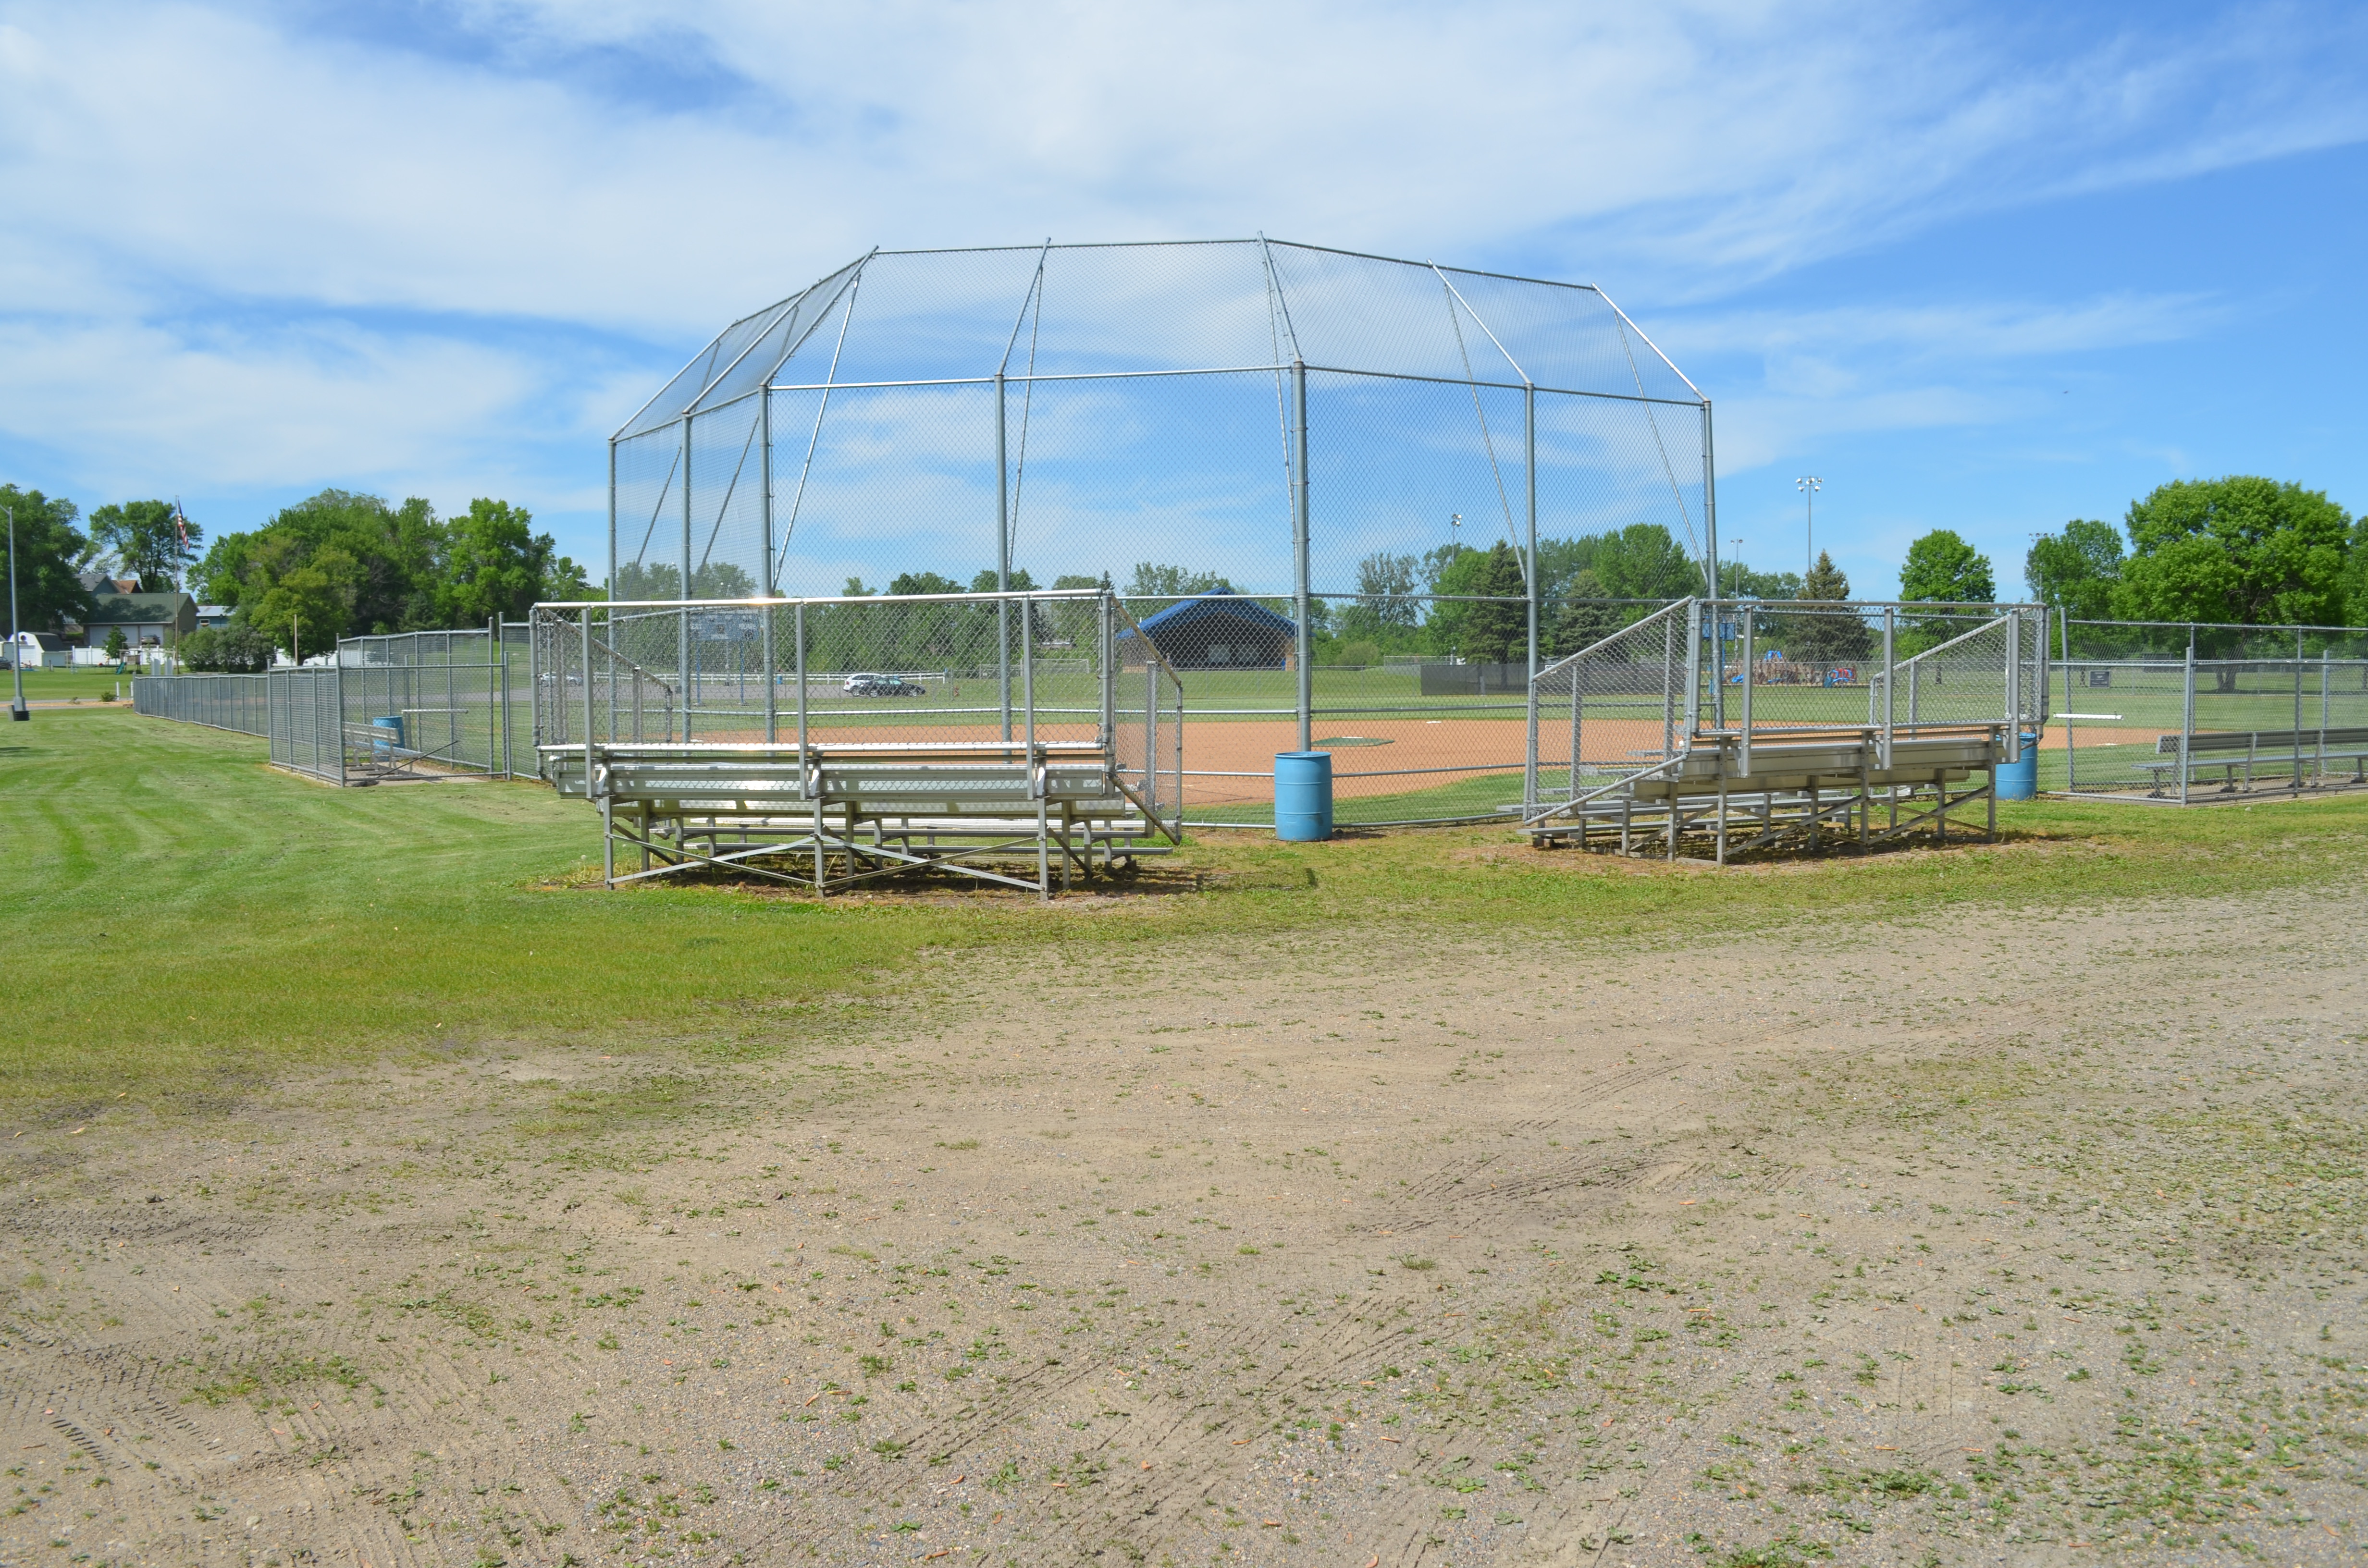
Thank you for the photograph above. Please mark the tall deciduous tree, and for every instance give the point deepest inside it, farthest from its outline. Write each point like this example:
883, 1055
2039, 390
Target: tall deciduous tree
376, 564
1941, 568
495, 564
2077, 571
2242, 549
146, 542
1643, 561
51, 555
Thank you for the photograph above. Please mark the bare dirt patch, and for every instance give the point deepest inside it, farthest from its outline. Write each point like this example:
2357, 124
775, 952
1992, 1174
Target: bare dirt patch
1929, 1240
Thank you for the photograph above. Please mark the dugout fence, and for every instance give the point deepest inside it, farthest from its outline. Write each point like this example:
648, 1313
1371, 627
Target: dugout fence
412, 706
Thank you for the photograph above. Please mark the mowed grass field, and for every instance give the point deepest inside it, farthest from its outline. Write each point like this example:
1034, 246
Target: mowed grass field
187, 918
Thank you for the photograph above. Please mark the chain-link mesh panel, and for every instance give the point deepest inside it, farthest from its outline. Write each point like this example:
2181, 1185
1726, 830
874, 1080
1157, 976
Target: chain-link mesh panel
887, 670
307, 722
242, 703
1616, 708
2208, 713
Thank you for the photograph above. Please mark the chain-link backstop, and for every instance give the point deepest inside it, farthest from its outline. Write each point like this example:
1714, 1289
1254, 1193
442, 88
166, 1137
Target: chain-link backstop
1263, 446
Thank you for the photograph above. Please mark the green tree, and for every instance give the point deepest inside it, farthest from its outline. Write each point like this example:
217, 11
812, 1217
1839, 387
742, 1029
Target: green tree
310, 605
1941, 568
924, 583
1830, 638
1582, 620
380, 561
1736, 581
117, 643
637, 580
1642, 562
146, 541
1385, 585
235, 648
2242, 549
987, 580
2355, 574
1496, 630
723, 580
1152, 581
2077, 571
50, 556
495, 564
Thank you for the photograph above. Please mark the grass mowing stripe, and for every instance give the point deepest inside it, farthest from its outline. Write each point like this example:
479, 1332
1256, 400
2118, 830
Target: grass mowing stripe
188, 914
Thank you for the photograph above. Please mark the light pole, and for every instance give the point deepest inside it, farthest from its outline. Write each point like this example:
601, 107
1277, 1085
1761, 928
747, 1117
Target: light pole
1736, 562
19, 712
1808, 485
1454, 539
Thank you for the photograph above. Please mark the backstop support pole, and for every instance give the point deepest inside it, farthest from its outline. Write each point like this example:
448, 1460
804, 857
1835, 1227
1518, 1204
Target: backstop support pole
1002, 557
771, 581
682, 617
1307, 643
1529, 488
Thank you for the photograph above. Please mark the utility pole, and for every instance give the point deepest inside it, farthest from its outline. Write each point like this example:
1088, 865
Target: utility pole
1808, 485
19, 712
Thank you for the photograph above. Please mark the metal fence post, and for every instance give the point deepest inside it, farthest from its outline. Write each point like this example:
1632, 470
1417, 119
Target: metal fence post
1108, 675
1299, 528
798, 652
1744, 761
2071, 778
1530, 489
2186, 717
772, 682
1693, 685
2297, 724
1890, 669
2013, 693
2319, 778
682, 673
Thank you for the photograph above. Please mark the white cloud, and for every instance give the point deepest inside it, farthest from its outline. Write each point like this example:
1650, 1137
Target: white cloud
175, 166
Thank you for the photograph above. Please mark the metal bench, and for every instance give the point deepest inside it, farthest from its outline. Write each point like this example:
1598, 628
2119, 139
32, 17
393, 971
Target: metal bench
2281, 750
880, 808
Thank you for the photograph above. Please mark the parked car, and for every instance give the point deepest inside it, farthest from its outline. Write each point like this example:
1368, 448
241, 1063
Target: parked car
869, 684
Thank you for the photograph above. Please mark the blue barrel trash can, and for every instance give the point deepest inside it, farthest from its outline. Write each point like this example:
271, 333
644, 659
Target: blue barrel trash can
2020, 780
1302, 796
385, 744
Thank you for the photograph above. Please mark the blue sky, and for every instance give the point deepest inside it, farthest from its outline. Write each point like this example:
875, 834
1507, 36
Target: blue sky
1977, 267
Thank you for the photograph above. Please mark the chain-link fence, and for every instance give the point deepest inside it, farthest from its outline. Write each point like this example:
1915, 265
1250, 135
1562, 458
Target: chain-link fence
2199, 713
1334, 443
419, 704
222, 702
